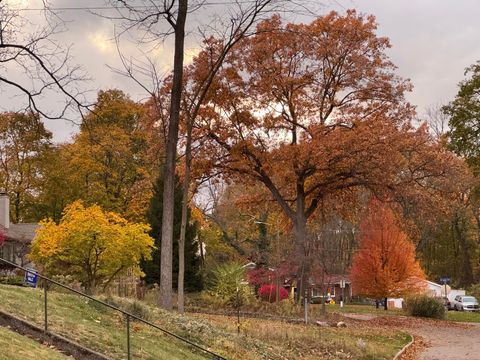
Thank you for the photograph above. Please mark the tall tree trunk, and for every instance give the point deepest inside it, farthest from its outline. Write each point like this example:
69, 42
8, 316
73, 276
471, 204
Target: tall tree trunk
202, 254
17, 207
300, 233
171, 154
183, 225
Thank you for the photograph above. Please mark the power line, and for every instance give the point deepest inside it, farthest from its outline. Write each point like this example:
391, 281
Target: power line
144, 7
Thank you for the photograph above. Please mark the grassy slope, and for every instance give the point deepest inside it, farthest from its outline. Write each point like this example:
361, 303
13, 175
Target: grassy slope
91, 324
17, 347
462, 316
358, 340
103, 330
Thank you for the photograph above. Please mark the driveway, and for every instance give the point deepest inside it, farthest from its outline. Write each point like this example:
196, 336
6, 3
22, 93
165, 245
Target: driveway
434, 340
460, 342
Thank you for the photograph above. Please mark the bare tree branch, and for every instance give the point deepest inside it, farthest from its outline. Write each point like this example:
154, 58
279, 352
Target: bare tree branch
36, 67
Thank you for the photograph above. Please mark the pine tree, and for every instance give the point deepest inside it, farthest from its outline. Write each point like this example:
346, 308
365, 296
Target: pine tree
192, 259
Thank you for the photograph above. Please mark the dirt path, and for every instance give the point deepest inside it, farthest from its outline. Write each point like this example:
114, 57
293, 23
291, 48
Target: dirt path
450, 342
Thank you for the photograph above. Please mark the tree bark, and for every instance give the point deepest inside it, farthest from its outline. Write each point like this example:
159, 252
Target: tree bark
183, 225
299, 233
166, 266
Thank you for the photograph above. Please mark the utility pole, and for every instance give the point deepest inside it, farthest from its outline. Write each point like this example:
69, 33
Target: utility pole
277, 264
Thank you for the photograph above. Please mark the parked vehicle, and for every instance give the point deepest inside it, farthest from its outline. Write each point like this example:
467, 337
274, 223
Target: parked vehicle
465, 303
447, 303
320, 298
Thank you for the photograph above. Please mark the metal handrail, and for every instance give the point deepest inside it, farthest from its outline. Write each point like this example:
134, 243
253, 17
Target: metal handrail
125, 313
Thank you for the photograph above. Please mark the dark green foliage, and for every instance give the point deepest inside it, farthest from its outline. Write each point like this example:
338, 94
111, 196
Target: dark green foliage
448, 249
12, 280
192, 259
464, 140
425, 306
464, 123
474, 290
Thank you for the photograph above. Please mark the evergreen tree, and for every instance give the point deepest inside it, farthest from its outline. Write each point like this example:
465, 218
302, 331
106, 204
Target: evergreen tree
151, 268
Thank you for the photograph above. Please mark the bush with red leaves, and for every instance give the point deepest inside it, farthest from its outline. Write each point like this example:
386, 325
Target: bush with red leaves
260, 276
267, 292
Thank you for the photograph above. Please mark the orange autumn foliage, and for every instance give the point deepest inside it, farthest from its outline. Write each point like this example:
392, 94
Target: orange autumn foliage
316, 115
385, 265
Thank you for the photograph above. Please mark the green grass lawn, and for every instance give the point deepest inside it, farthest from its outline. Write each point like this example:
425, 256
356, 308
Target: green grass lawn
17, 347
464, 316
363, 309
103, 330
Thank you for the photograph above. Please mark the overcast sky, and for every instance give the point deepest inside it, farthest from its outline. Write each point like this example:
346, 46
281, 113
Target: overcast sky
432, 43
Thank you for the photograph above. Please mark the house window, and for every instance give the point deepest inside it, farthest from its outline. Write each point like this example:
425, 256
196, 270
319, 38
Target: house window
7, 252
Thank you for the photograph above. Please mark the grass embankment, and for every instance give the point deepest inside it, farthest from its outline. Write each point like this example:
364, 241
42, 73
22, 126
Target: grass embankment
362, 309
464, 316
17, 347
357, 341
461, 316
103, 330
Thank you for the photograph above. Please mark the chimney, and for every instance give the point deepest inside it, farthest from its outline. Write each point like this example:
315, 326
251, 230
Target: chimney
4, 210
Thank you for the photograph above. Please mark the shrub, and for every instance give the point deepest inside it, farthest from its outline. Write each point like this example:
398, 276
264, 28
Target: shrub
137, 308
134, 307
228, 287
67, 280
12, 280
425, 306
267, 292
289, 307
260, 276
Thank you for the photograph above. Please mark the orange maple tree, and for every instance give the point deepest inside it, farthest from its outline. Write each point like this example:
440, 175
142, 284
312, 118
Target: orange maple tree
316, 114
385, 265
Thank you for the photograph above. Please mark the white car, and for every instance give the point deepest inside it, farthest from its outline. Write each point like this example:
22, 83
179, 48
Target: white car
465, 303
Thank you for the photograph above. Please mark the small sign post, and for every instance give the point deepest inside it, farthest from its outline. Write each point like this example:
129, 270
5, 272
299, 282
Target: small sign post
305, 299
342, 286
444, 281
31, 278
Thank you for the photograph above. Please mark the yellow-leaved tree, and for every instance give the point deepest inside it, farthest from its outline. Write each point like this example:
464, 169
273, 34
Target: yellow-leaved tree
91, 245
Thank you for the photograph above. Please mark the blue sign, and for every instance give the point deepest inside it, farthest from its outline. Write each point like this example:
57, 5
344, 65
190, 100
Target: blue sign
31, 278
444, 280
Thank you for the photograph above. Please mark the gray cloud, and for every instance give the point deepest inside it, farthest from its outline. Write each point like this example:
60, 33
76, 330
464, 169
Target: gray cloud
432, 43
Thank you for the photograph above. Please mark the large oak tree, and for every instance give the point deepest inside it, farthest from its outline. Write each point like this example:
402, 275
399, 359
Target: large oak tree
316, 113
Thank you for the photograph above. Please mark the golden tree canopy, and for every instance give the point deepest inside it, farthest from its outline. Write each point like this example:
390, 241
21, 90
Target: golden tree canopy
93, 246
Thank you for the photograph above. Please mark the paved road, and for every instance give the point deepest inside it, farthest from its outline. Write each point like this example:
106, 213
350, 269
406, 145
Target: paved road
450, 343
